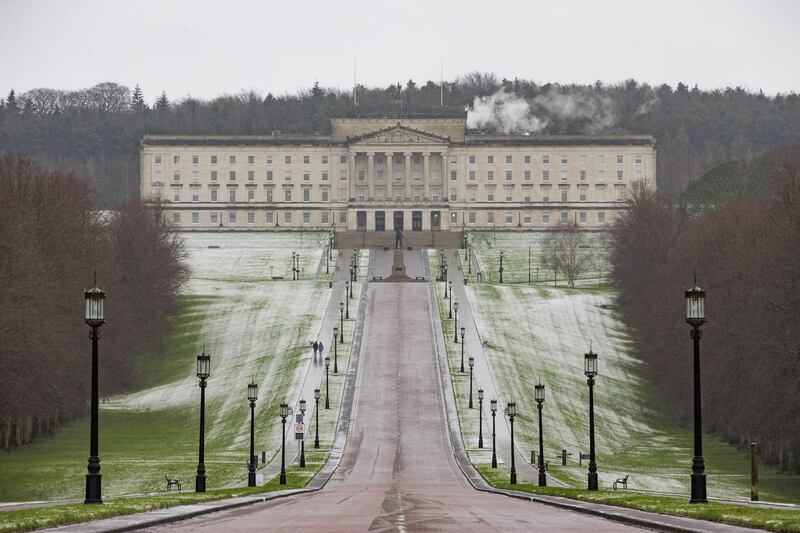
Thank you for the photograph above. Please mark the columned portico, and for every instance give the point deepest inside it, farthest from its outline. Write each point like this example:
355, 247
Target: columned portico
426, 176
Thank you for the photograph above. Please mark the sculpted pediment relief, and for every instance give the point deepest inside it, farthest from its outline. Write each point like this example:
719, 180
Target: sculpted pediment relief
399, 135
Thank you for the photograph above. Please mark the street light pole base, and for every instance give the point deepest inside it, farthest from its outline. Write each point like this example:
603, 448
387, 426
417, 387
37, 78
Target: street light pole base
698, 487
480, 443
592, 480
513, 478
200, 483
93, 488
282, 480
251, 479
542, 479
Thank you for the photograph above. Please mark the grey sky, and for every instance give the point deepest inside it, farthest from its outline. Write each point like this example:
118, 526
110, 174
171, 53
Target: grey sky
206, 48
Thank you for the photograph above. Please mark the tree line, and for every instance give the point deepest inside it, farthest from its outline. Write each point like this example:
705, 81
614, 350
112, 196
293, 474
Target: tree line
95, 132
52, 240
744, 253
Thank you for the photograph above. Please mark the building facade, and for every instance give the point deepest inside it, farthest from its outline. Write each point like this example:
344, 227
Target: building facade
377, 174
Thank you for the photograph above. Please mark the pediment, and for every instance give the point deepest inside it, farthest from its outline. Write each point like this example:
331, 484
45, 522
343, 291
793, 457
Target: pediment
399, 135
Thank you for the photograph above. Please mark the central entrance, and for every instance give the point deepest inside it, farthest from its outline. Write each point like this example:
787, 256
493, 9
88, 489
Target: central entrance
436, 220
416, 221
380, 221
398, 220
361, 220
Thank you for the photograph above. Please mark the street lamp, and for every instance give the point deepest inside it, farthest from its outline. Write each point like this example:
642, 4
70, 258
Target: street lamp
327, 382
252, 395
511, 411
590, 369
327, 261
463, 330
501, 266
316, 413
297, 257
94, 317
696, 316
355, 266
480, 418
449, 307
471, 364
335, 351
203, 372
493, 408
450, 283
446, 283
539, 397
341, 321
455, 326
303, 440
284, 413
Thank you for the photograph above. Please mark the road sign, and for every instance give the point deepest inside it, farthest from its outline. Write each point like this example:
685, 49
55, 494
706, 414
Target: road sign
299, 431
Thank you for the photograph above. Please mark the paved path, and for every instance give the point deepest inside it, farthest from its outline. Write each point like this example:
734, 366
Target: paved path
398, 471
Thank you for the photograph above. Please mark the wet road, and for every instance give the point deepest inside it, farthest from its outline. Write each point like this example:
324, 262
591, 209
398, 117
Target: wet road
397, 473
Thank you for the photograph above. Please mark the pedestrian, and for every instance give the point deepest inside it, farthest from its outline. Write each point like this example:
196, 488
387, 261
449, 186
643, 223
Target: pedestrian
316, 347
321, 348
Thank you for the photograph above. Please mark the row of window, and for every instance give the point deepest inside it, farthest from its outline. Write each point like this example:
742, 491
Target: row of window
583, 159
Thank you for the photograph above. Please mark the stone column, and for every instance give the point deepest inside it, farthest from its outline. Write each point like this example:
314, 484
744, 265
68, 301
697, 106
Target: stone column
445, 192
389, 183
407, 175
371, 175
426, 176
352, 177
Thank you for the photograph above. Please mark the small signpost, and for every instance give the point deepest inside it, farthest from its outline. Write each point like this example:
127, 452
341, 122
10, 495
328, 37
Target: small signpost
299, 427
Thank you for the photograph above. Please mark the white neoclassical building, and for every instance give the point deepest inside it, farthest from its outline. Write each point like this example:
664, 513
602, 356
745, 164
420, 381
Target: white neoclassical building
376, 174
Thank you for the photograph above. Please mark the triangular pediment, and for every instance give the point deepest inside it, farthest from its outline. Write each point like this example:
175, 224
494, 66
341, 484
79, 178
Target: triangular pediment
399, 135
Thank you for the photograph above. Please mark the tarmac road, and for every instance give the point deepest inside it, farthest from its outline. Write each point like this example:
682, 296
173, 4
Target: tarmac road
397, 473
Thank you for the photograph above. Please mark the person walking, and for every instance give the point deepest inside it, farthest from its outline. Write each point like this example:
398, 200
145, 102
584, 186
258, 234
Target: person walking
316, 347
321, 348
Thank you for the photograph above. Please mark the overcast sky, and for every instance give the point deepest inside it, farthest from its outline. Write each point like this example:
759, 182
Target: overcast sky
206, 48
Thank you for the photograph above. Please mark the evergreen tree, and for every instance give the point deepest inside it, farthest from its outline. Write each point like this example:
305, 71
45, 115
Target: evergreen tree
162, 104
11, 102
137, 100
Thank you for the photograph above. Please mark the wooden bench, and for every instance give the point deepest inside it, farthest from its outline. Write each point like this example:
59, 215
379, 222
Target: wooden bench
171, 482
621, 481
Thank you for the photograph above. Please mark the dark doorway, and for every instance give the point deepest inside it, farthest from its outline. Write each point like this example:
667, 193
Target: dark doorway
416, 221
436, 219
361, 220
380, 221
398, 220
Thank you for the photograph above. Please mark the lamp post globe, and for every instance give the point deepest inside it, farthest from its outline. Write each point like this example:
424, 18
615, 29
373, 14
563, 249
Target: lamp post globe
493, 409
480, 418
252, 396
695, 317
316, 422
303, 440
538, 395
590, 370
203, 373
94, 315
471, 364
511, 411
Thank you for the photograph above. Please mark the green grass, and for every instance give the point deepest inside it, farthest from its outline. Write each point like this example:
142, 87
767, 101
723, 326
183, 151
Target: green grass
742, 515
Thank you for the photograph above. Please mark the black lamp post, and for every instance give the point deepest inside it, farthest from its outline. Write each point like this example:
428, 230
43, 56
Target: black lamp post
355, 266
450, 283
463, 330
480, 418
469, 262
501, 266
316, 413
696, 316
539, 397
455, 326
284, 413
327, 382
511, 411
252, 395
590, 369
303, 440
327, 261
471, 364
294, 266
341, 321
297, 258
446, 283
94, 317
335, 351
203, 372
493, 408
449, 306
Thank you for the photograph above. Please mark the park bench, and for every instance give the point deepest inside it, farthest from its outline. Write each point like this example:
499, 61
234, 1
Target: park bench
171, 482
621, 481
583, 456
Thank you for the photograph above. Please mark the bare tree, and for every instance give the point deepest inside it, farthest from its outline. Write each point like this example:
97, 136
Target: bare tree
567, 252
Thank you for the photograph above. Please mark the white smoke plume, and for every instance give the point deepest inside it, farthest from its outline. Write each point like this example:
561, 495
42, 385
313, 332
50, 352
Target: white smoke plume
505, 112
598, 110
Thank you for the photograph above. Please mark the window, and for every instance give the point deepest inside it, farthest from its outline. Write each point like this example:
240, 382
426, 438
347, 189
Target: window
214, 218
545, 159
232, 175
583, 175
601, 217
270, 194
325, 175
214, 194
563, 175
287, 160
471, 175
325, 195
213, 160
232, 194
269, 175
232, 217
435, 197
157, 159
509, 175
324, 159
176, 194
490, 195
619, 175
362, 175
287, 175
563, 195
287, 218
195, 159
472, 160
342, 217
637, 159
526, 191
545, 218
176, 160
176, 217
619, 159
527, 218
601, 175
269, 159
564, 217
563, 160
270, 217
176, 176
306, 176
342, 175
453, 196
545, 197
509, 194
306, 217
251, 217
342, 194
251, 194
287, 194
251, 160
582, 195
490, 175
582, 159
490, 217
306, 194
232, 161
213, 175
251, 175
509, 159
490, 159
325, 218
453, 175
582, 217
195, 175
527, 175
195, 194
527, 160
195, 217
601, 159
545, 175
471, 217
343, 161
